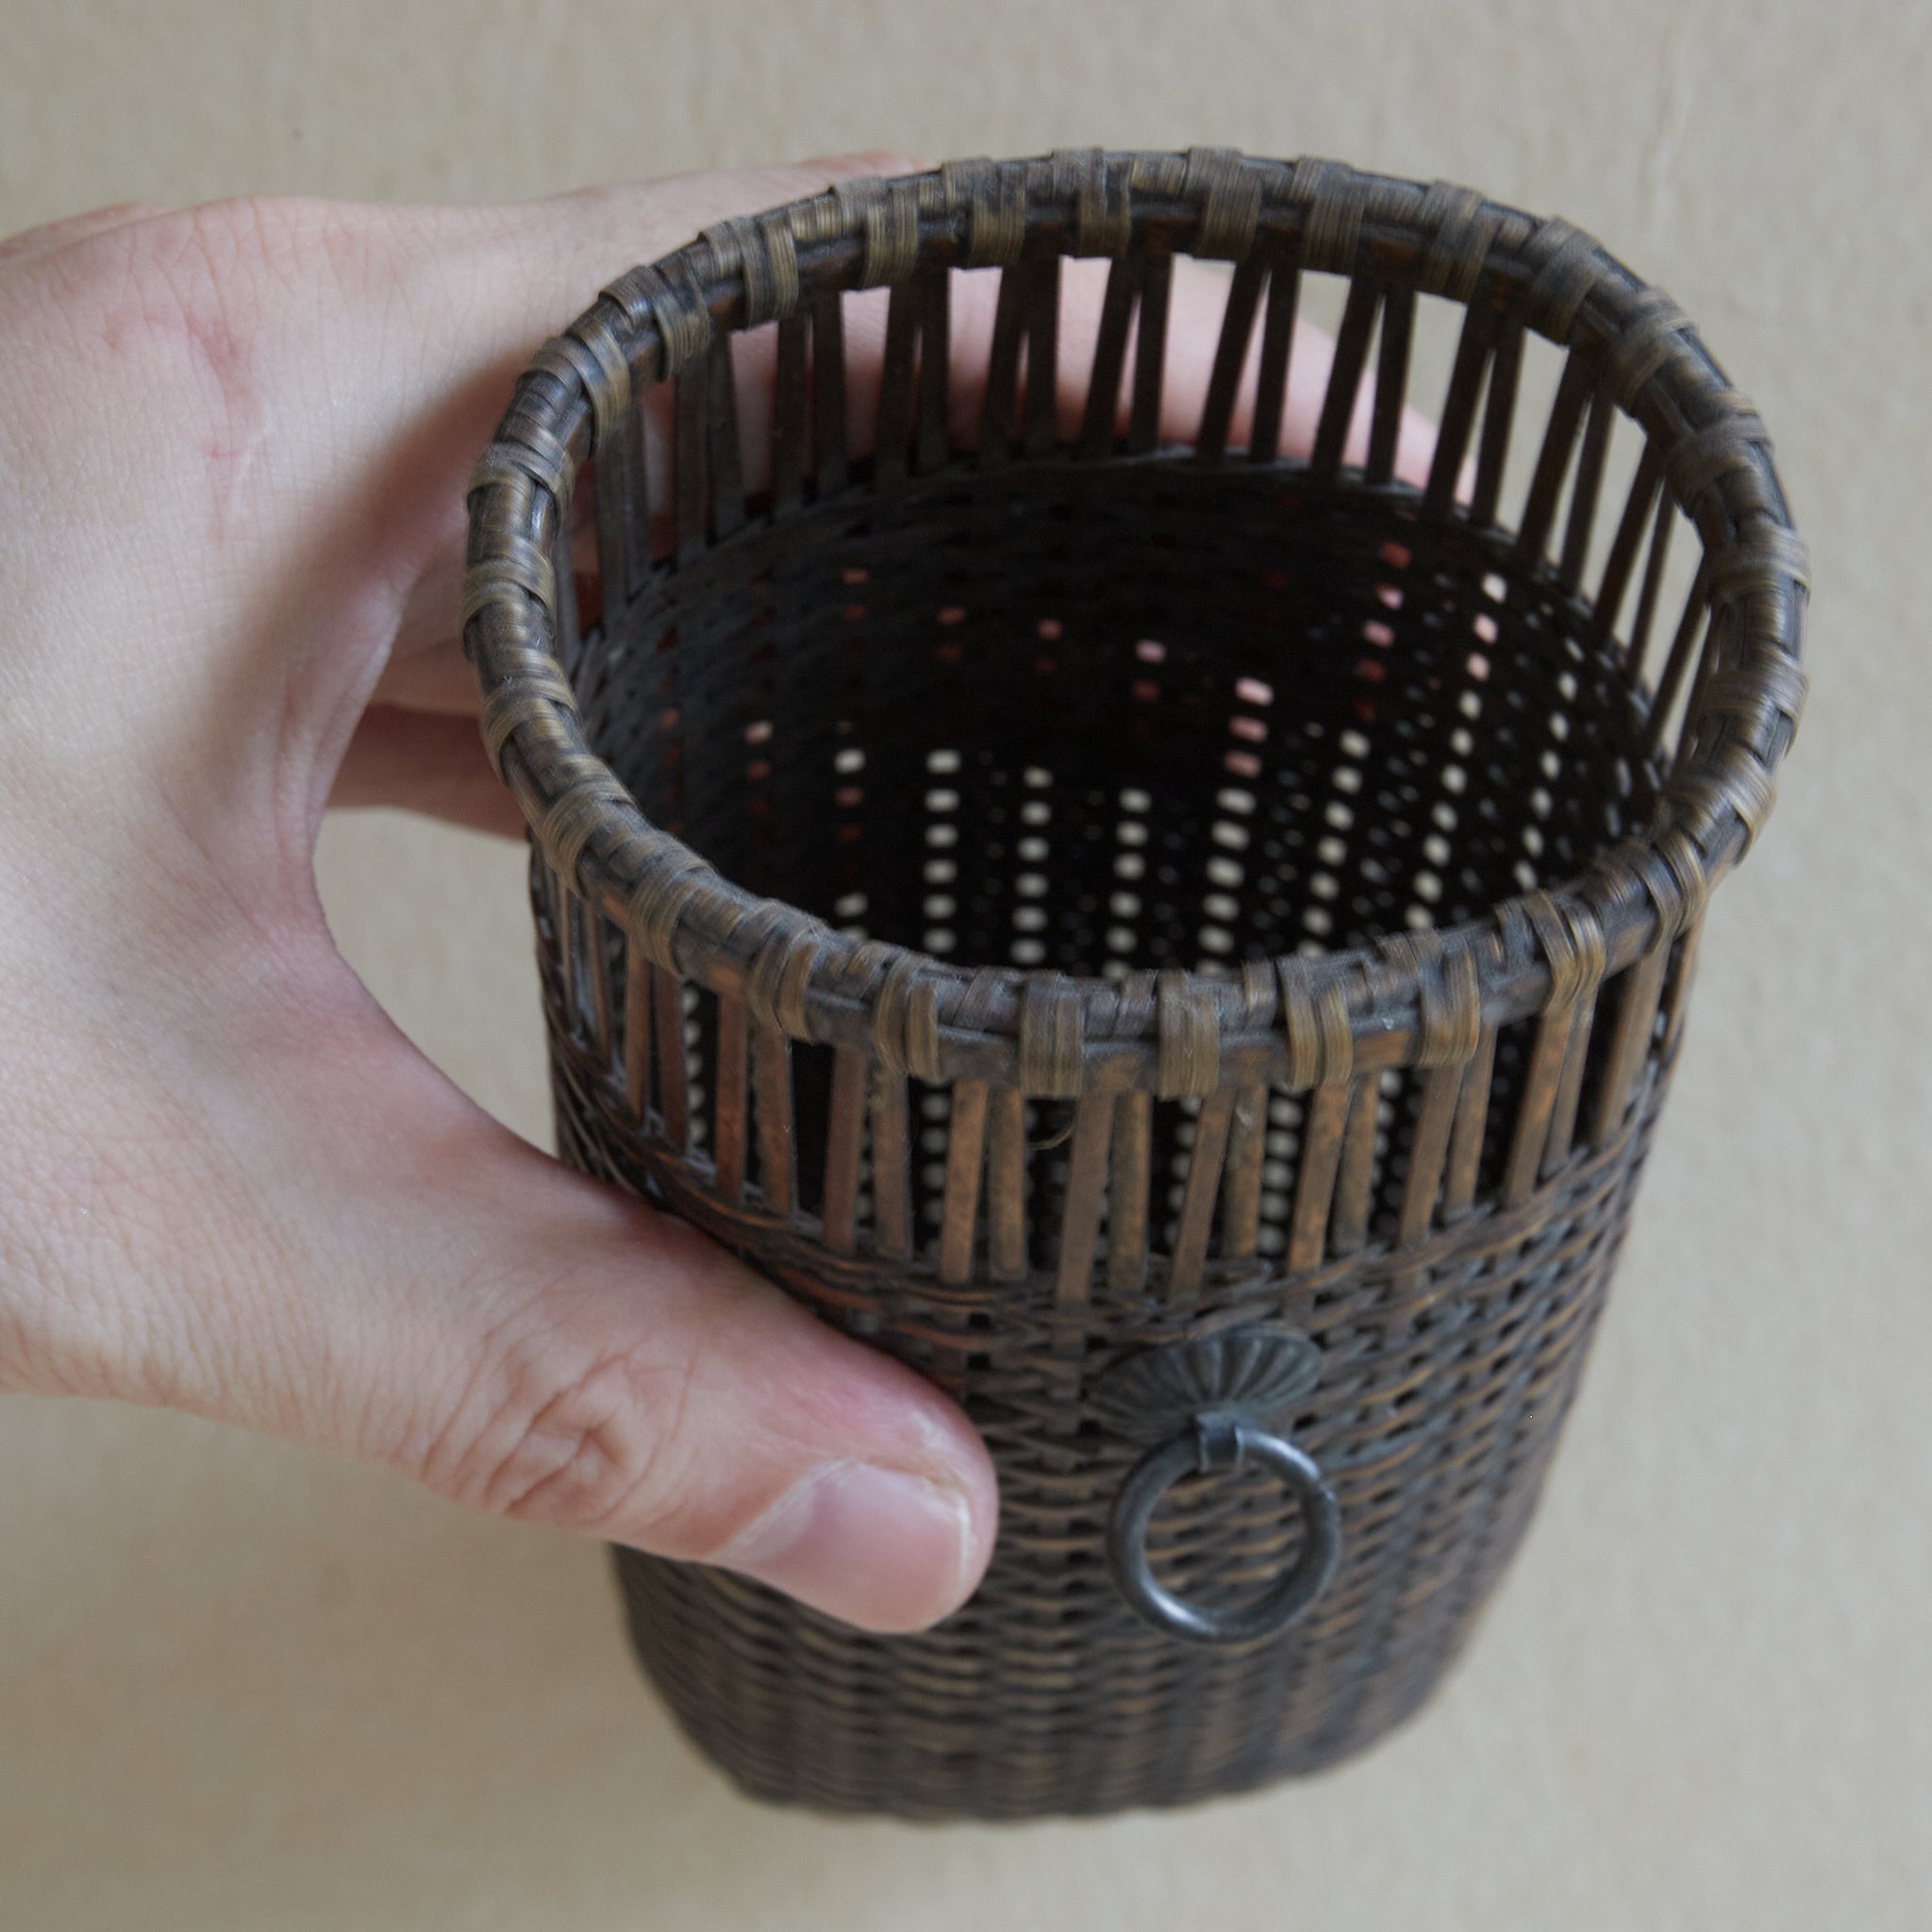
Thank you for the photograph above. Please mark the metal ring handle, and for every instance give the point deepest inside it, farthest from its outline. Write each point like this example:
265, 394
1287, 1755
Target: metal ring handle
1218, 1441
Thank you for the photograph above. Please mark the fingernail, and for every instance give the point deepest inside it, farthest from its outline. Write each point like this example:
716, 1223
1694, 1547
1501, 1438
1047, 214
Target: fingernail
875, 1547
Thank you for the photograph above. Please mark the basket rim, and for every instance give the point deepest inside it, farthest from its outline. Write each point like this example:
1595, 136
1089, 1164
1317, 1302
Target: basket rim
1407, 998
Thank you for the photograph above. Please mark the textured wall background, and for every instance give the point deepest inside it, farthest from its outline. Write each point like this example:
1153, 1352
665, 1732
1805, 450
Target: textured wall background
240, 1687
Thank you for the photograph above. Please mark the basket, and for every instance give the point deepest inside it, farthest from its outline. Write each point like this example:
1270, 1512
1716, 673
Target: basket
1234, 908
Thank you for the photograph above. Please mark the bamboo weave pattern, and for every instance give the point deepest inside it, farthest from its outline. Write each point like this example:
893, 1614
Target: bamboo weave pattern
1327, 845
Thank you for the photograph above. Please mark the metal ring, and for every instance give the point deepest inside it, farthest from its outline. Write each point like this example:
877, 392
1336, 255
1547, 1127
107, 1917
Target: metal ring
1218, 1441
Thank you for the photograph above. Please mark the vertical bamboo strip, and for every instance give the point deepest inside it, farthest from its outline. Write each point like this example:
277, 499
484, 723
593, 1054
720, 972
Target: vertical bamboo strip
1277, 351
1202, 1188
891, 1166
1326, 1112
725, 460
691, 433
1654, 559
1638, 506
674, 1086
1681, 983
563, 568
1230, 358
1588, 489
999, 401
623, 517
729, 1103
1349, 1222
933, 437
1127, 1211
1097, 424
1466, 1138
1085, 1198
1344, 379
1150, 354
1631, 1042
637, 1027
1532, 1130
1458, 412
1692, 626
1248, 1142
1005, 1185
788, 416
965, 1166
777, 1142
845, 1135
1039, 417
1552, 461
893, 433
571, 958
1428, 1150
1570, 1085
1392, 384
598, 966
1499, 412
829, 461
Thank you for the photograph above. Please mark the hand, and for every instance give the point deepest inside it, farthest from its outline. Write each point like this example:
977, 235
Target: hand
233, 447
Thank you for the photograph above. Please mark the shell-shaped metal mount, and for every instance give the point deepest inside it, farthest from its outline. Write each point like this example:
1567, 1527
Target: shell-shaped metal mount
1253, 1371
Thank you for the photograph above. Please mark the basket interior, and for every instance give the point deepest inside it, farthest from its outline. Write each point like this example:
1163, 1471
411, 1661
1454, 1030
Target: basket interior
1141, 715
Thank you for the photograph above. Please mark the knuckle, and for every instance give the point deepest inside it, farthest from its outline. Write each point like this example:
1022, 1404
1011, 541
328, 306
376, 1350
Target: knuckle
189, 286
598, 1442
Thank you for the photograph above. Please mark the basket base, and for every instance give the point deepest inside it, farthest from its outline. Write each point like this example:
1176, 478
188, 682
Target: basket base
781, 1752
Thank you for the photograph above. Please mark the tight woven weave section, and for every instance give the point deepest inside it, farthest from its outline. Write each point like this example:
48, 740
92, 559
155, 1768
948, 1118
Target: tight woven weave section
1084, 853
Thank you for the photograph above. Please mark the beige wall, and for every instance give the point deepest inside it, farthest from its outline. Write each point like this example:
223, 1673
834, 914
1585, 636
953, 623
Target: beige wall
241, 1687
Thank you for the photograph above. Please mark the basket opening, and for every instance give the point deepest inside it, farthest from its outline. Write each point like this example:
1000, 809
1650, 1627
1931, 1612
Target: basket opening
1140, 717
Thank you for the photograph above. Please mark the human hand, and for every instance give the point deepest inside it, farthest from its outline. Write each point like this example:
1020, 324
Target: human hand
233, 446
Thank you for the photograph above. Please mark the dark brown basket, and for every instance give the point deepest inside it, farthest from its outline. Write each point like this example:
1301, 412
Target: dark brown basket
1335, 845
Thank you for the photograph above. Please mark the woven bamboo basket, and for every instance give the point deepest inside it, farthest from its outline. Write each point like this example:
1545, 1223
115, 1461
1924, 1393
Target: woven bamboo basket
1193, 922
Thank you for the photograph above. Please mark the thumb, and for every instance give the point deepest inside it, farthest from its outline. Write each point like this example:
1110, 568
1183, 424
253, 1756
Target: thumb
380, 1269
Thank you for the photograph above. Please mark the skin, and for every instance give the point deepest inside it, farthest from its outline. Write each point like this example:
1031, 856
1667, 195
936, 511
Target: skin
234, 442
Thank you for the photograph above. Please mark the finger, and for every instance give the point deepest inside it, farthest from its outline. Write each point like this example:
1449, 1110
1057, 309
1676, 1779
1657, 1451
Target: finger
30, 244
374, 1267
428, 763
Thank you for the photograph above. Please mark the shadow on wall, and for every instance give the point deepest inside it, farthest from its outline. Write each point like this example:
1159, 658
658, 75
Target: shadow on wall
378, 1711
